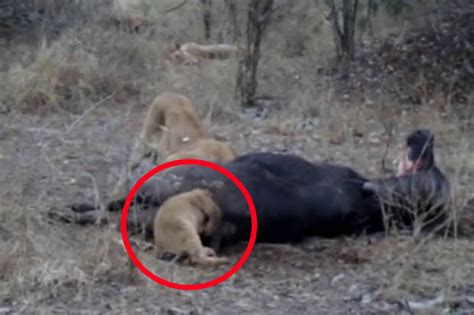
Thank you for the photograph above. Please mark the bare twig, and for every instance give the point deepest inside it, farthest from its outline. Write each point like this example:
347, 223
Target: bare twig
86, 112
175, 7
98, 201
387, 147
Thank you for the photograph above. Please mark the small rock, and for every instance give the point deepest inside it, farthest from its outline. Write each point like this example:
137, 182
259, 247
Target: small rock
366, 298
470, 299
375, 140
429, 304
353, 288
336, 279
357, 133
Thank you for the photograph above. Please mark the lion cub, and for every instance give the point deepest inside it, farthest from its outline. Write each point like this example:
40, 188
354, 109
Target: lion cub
181, 220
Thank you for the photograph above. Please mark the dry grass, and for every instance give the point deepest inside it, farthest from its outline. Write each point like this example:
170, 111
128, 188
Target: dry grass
40, 260
421, 270
98, 79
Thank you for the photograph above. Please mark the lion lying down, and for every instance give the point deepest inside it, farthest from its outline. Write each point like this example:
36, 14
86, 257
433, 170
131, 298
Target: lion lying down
192, 53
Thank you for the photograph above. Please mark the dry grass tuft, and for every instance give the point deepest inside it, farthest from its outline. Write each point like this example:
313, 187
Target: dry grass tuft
424, 268
41, 261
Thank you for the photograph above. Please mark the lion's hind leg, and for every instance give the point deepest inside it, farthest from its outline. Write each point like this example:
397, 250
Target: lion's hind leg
199, 254
207, 257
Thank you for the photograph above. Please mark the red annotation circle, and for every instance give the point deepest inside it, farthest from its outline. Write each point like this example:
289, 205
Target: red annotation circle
197, 286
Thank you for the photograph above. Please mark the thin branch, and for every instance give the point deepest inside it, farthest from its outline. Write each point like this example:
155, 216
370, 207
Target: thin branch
98, 201
86, 112
176, 7
333, 18
385, 154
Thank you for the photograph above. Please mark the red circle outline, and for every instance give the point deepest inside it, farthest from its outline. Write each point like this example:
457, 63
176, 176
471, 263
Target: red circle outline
198, 286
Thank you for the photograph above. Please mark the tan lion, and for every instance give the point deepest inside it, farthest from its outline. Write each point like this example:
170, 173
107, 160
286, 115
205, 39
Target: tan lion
172, 130
206, 149
181, 221
192, 53
171, 125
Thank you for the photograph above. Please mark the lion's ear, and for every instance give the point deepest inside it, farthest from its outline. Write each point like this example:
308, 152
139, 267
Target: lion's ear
201, 200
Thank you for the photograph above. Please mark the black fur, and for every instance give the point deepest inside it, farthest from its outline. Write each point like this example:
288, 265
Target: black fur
293, 197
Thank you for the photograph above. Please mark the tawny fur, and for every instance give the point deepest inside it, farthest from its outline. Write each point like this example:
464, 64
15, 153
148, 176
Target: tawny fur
172, 130
171, 125
181, 220
192, 53
206, 149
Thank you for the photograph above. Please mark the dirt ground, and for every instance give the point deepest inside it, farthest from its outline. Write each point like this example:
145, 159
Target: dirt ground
69, 112
54, 267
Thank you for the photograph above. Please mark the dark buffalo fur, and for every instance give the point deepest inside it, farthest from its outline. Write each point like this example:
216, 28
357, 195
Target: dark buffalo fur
293, 197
